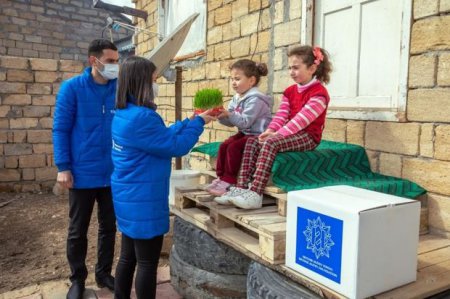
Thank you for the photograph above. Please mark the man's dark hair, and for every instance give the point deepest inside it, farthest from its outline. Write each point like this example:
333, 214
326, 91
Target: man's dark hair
97, 46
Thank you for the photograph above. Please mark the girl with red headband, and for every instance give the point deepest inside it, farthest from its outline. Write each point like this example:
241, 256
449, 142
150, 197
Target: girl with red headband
297, 126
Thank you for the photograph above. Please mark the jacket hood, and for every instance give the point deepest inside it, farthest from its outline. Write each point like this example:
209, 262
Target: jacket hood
255, 92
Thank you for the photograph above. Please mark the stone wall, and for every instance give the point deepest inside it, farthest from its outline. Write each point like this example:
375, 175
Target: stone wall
417, 149
28, 87
56, 29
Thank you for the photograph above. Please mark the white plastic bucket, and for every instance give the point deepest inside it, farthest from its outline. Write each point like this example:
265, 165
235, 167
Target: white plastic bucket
182, 178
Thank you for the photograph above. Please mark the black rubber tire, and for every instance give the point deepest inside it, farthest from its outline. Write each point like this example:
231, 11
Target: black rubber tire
198, 248
194, 283
264, 283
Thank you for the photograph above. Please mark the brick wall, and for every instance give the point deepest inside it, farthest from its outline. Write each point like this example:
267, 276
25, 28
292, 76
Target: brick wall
417, 149
51, 29
28, 87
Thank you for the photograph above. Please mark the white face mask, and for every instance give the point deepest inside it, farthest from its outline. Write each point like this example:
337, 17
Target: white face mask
155, 89
110, 70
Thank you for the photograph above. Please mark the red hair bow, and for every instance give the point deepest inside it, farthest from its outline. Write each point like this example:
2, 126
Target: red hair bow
318, 55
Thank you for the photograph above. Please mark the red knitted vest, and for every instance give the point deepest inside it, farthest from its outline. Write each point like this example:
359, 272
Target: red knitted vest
298, 100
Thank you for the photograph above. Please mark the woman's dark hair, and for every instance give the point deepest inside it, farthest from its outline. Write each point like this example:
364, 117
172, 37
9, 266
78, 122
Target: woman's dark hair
251, 68
97, 46
308, 55
135, 83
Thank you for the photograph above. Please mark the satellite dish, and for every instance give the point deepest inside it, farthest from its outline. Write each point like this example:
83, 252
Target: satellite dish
166, 50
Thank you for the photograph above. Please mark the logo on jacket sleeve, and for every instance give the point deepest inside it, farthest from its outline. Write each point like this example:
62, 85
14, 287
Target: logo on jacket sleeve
116, 147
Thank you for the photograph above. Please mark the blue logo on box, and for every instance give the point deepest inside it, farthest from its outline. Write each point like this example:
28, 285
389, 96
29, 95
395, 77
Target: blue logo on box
319, 243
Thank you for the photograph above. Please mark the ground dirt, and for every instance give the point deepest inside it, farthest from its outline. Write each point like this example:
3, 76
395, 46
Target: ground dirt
33, 232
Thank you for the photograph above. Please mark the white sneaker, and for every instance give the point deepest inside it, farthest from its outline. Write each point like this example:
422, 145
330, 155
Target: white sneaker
225, 198
247, 199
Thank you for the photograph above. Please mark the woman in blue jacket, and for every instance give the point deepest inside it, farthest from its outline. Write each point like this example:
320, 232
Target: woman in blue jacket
141, 152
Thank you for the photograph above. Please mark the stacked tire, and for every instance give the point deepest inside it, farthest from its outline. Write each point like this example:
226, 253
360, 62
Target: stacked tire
202, 267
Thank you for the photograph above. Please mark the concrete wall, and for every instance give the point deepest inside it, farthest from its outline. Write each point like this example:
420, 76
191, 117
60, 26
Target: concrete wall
418, 149
51, 29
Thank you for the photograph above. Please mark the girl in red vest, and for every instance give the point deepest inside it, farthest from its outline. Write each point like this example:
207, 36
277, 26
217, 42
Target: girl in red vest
297, 126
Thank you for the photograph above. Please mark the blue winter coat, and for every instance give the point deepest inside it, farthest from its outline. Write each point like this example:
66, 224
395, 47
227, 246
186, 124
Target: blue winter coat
142, 151
82, 130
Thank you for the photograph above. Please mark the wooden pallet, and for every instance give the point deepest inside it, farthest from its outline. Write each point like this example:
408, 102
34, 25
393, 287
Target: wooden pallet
260, 232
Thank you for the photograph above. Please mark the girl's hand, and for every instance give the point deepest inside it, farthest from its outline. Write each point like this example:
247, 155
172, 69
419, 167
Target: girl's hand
266, 135
224, 113
207, 117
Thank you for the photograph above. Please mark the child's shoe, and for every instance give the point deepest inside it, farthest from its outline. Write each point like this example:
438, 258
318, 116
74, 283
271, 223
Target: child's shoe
212, 185
219, 188
247, 199
225, 198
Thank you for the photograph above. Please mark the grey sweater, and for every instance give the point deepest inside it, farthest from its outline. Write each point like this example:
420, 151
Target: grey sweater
251, 114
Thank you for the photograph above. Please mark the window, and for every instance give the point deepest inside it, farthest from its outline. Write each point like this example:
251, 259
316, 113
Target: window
174, 12
368, 41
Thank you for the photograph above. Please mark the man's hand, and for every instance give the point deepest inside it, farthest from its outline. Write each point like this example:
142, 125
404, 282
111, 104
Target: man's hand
266, 135
65, 179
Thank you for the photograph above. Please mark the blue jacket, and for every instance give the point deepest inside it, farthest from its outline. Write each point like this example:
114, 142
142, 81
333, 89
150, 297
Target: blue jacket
143, 148
82, 130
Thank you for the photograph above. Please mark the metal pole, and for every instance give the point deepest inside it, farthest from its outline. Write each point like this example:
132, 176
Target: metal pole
178, 96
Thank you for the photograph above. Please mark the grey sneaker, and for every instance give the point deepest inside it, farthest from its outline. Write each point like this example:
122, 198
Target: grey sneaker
247, 199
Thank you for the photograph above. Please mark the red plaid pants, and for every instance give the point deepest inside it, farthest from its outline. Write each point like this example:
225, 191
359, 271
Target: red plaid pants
258, 157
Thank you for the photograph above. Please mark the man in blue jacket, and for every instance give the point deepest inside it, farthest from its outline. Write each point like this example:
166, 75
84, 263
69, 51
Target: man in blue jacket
82, 151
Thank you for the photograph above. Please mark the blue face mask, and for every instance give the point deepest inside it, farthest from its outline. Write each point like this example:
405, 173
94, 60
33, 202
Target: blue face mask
110, 70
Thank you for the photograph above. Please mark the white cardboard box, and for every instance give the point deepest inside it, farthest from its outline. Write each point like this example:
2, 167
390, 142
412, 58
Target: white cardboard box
354, 241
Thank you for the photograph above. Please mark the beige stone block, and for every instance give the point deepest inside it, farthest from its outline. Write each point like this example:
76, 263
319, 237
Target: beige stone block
249, 24
4, 110
279, 59
42, 148
281, 80
43, 100
39, 136
55, 87
266, 20
10, 87
221, 51
295, 9
240, 47
28, 174
429, 105
10, 62
444, 6
215, 35
36, 111
199, 72
11, 162
46, 174
222, 15
2, 76
427, 140
231, 30
287, 33
390, 164
13, 75
421, 71
262, 39
239, 8
17, 149
206, 136
439, 211
32, 161
335, 130
38, 64
213, 70
47, 77
443, 75
19, 136
433, 175
222, 135
17, 100
4, 123
225, 68
191, 89
356, 132
425, 8
39, 88
23, 123
213, 4
9, 175
210, 53
279, 12
400, 138
374, 160
210, 18
188, 103
254, 5
431, 34
72, 66
222, 84
442, 143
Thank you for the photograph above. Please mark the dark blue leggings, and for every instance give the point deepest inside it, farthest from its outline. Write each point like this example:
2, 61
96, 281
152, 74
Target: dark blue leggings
144, 253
